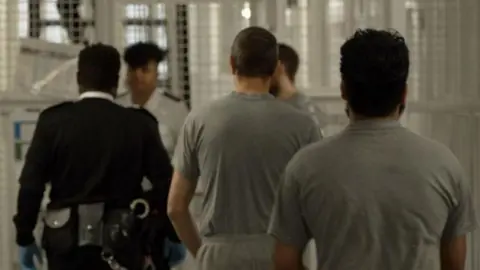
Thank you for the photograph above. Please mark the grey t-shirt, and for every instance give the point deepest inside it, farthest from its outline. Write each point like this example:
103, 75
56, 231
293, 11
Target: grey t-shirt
374, 197
305, 104
238, 146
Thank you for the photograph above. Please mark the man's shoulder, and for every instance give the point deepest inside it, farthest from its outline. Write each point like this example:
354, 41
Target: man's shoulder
211, 107
295, 116
123, 99
169, 97
172, 104
322, 149
438, 152
57, 108
142, 113
301, 162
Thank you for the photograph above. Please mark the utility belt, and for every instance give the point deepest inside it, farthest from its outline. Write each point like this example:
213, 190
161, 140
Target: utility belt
94, 225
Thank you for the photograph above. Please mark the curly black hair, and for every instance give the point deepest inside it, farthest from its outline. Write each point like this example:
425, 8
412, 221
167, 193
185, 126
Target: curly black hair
139, 54
374, 67
98, 67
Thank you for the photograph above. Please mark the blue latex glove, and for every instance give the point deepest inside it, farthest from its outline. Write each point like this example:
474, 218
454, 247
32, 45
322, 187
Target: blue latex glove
175, 253
26, 255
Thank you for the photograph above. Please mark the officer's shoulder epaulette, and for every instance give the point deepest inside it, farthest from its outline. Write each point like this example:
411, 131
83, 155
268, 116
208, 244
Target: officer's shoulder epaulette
58, 106
145, 112
122, 95
171, 96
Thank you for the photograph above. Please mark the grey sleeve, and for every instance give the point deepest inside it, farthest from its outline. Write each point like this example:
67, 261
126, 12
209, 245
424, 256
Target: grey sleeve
314, 134
185, 158
462, 218
181, 114
319, 117
286, 223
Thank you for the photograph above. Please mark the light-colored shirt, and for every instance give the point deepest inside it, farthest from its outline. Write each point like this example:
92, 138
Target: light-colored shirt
95, 94
170, 115
239, 146
375, 196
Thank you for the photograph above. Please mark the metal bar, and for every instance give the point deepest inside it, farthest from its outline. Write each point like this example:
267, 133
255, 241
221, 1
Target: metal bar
173, 66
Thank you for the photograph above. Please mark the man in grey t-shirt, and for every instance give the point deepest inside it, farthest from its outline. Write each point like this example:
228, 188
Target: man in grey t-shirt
238, 146
376, 196
283, 86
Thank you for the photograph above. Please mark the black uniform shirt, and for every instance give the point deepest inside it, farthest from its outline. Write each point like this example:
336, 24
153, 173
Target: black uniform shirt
89, 151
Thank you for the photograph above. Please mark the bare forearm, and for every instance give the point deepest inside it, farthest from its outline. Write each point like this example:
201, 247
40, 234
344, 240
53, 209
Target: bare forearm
452, 264
299, 266
186, 230
453, 254
449, 265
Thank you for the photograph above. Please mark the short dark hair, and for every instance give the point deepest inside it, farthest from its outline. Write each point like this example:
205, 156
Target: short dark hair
290, 59
98, 67
139, 54
374, 67
254, 53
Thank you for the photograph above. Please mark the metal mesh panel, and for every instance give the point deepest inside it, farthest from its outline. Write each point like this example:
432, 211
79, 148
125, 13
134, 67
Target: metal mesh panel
147, 22
61, 21
337, 33
47, 29
298, 27
8, 42
316, 29
6, 204
212, 27
444, 79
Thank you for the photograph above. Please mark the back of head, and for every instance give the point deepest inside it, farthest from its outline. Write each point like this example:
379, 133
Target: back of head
254, 53
140, 54
290, 60
98, 68
374, 66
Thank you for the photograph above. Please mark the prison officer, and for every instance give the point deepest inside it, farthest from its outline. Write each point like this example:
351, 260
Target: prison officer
142, 59
90, 151
375, 196
238, 145
283, 85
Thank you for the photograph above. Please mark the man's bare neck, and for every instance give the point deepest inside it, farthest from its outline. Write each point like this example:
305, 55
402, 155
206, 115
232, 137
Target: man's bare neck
251, 86
287, 90
357, 118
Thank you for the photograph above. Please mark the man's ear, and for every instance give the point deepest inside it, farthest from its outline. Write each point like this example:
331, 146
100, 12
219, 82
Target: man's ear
279, 69
232, 65
343, 91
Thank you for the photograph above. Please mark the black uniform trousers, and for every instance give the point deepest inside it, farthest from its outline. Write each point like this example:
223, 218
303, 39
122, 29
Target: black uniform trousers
89, 258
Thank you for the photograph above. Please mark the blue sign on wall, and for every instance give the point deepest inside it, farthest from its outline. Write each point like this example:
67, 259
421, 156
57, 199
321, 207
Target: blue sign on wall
19, 141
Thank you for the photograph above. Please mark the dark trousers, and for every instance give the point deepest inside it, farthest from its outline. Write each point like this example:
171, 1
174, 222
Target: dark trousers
89, 258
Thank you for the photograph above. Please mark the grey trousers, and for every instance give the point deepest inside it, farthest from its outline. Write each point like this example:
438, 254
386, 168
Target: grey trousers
236, 252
